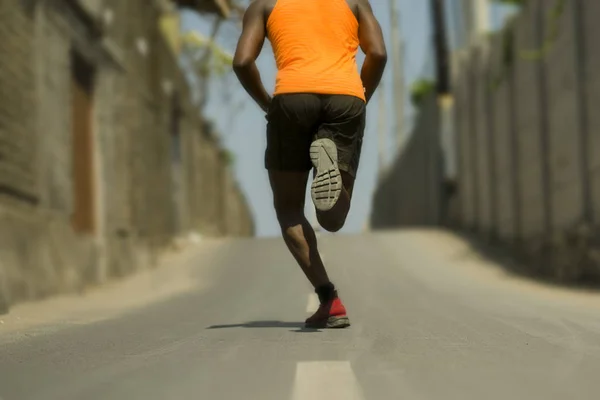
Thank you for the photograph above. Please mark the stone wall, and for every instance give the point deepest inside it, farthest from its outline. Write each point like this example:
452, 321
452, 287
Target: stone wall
94, 184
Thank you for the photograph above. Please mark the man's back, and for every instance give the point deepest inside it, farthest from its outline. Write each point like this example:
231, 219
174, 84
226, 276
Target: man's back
315, 44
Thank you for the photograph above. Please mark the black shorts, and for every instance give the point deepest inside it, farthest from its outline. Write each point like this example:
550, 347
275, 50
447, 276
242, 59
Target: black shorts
295, 120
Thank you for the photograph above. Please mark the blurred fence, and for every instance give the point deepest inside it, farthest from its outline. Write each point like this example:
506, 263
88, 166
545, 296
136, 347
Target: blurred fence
103, 157
529, 137
410, 191
526, 142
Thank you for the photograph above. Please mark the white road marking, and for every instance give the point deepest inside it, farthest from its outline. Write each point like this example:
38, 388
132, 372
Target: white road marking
326, 380
313, 303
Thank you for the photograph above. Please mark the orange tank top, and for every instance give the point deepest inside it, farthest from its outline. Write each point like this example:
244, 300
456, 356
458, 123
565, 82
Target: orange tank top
315, 44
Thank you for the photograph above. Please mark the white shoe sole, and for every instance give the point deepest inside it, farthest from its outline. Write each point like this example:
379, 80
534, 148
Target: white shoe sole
327, 184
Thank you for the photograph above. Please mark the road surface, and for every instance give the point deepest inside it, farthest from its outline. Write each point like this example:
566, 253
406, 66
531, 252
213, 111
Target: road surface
431, 320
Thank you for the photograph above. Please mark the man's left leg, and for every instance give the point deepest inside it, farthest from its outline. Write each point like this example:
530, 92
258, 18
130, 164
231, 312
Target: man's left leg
334, 219
335, 155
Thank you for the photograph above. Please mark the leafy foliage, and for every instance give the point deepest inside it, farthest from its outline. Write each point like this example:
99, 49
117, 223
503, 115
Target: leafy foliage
508, 45
420, 89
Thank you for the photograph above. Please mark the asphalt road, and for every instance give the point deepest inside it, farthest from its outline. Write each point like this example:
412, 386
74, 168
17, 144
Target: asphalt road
431, 320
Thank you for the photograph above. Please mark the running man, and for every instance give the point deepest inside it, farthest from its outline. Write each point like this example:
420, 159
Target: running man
315, 119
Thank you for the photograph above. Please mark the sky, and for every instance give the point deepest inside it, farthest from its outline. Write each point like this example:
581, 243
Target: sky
243, 126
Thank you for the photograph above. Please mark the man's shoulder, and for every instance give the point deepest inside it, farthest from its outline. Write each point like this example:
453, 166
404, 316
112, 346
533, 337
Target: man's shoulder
262, 6
358, 5
269, 5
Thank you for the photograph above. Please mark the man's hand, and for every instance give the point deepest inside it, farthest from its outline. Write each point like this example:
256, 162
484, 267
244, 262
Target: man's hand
373, 45
248, 49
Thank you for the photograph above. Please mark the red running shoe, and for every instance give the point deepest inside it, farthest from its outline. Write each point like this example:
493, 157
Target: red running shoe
330, 315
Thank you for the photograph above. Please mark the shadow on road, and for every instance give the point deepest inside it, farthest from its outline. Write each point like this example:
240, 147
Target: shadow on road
297, 326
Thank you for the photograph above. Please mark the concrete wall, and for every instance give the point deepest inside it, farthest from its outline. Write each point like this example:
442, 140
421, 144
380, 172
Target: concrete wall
537, 187
409, 193
145, 187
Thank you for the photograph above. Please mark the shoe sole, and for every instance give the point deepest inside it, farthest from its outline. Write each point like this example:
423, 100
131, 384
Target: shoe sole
331, 323
326, 187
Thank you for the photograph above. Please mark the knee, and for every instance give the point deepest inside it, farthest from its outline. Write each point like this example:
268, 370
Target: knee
331, 224
332, 227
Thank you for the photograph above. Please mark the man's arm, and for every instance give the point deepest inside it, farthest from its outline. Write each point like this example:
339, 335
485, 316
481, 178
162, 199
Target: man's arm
248, 49
373, 45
